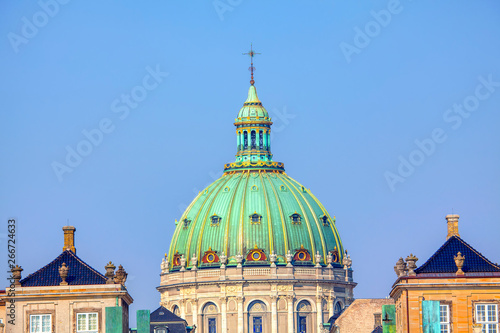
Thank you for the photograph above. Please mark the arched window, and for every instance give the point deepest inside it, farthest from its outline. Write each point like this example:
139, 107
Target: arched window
175, 310
337, 308
325, 221
245, 140
253, 139
304, 320
210, 313
295, 218
215, 219
255, 218
261, 140
257, 314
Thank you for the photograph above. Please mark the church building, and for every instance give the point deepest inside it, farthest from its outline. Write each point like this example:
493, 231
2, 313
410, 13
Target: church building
256, 251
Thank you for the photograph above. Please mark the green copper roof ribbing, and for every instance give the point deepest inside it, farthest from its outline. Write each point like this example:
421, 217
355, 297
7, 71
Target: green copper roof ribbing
249, 187
234, 198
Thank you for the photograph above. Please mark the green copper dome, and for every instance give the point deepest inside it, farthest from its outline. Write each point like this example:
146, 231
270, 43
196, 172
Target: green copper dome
255, 210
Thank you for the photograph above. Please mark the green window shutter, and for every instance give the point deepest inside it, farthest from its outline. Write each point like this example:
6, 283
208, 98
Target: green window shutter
143, 321
114, 319
389, 318
430, 317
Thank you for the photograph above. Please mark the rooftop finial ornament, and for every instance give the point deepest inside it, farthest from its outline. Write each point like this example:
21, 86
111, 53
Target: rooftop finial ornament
251, 53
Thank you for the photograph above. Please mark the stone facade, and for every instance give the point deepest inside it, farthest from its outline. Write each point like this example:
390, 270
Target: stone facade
362, 316
237, 299
63, 303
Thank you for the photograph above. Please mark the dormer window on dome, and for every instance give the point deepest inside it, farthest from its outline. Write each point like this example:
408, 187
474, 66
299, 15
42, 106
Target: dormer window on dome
186, 222
295, 218
325, 220
215, 220
256, 254
255, 218
302, 254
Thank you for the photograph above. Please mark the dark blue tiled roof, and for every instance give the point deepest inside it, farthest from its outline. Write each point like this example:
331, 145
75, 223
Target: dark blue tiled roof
79, 273
162, 317
378, 329
443, 260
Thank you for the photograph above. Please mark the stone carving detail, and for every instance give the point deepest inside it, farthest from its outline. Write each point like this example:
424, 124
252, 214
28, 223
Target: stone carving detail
400, 267
110, 272
239, 260
234, 289
347, 262
183, 263
459, 261
223, 260
194, 262
289, 259
121, 276
272, 258
286, 287
318, 259
411, 260
189, 291
63, 273
329, 260
164, 264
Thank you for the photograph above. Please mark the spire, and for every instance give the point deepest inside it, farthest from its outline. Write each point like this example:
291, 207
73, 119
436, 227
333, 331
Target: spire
251, 53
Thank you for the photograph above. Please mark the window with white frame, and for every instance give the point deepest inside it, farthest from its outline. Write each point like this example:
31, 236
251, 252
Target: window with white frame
86, 322
444, 318
41, 323
487, 316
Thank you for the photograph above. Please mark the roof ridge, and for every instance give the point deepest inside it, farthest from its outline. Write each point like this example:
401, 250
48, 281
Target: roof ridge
477, 252
44, 267
59, 257
434, 255
476, 255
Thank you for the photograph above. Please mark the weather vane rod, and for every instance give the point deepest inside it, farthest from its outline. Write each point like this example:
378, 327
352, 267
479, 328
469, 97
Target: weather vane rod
251, 53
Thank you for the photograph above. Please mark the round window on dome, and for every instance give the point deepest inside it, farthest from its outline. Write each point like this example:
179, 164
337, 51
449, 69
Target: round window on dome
302, 256
210, 258
256, 255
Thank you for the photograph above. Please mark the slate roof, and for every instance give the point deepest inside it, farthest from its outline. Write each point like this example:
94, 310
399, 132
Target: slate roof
79, 273
378, 329
443, 260
164, 317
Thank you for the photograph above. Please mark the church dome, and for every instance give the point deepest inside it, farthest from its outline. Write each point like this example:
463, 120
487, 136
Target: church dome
255, 214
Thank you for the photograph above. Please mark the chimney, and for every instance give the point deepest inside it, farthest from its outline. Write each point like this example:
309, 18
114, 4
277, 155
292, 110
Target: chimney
69, 239
452, 225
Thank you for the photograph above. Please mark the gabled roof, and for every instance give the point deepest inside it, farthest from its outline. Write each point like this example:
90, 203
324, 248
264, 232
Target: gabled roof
163, 315
443, 260
79, 273
164, 318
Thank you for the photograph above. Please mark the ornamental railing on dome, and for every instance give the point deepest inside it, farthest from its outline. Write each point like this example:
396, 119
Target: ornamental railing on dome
305, 271
208, 273
256, 271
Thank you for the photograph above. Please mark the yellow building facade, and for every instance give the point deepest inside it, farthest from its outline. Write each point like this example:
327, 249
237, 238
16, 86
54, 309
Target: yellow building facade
466, 284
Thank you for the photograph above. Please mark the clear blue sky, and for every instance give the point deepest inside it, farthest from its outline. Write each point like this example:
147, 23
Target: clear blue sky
346, 106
